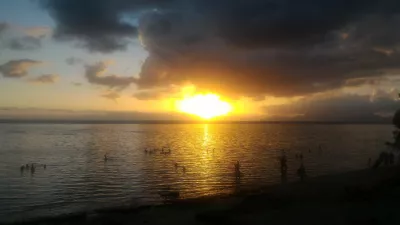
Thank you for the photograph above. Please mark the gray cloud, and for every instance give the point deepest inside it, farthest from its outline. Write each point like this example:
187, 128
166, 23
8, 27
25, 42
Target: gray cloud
271, 70
17, 68
95, 75
74, 61
3, 27
251, 48
338, 107
25, 43
30, 40
45, 79
98, 24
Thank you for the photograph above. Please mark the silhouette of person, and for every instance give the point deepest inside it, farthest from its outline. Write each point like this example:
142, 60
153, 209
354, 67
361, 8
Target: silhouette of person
301, 172
283, 161
237, 169
379, 160
32, 169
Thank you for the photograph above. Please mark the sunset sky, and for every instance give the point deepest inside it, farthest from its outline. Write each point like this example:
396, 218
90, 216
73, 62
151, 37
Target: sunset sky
134, 59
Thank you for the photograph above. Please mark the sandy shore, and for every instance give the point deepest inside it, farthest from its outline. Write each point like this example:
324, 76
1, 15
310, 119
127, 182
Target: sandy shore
359, 197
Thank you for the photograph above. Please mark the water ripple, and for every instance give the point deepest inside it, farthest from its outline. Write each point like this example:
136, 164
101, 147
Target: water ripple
77, 178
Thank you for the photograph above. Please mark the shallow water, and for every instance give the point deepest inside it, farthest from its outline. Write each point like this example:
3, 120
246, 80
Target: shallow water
78, 179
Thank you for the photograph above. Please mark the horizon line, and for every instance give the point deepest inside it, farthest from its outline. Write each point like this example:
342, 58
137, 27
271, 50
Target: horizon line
86, 121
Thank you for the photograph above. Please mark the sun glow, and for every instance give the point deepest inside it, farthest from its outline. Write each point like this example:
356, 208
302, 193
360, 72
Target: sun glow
206, 106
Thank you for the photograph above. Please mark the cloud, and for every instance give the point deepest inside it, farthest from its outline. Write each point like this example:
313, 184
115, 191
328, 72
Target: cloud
95, 75
74, 61
3, 27
148, 95
338, 107
23, 38
99, 25
242, 48
159, 93
372, 81
112, 95
45, 79
17, 68
291, 61
25, 43
37, 31
76, 84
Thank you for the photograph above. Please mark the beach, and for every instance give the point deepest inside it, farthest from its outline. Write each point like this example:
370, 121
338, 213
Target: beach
358, 197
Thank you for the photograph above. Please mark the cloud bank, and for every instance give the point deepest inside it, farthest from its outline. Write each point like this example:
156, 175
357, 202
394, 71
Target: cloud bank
241, 48
379, 106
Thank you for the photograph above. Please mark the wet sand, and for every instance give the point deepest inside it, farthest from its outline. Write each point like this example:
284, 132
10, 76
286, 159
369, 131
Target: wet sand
358, 197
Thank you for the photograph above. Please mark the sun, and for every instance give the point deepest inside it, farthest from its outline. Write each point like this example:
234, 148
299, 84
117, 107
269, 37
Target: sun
206, 106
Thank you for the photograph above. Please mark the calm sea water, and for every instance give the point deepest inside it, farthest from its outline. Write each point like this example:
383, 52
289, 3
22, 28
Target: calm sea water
78, 179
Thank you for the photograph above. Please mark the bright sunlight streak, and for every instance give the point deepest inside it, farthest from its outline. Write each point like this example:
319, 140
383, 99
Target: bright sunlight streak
206, 106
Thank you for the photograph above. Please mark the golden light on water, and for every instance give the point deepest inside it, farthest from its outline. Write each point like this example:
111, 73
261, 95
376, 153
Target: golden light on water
206, 106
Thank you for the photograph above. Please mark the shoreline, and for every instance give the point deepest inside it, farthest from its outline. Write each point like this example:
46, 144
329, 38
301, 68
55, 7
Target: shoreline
316, 193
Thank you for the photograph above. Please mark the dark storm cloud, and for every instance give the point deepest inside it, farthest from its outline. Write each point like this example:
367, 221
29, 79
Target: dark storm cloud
25, 43
17, 68
95, 75
291, 23
45, 79
252, 48
99, 24
265, 47
344, 107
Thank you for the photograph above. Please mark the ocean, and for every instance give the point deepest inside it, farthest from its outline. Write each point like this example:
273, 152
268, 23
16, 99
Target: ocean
77, 178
